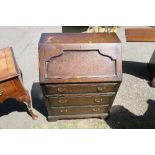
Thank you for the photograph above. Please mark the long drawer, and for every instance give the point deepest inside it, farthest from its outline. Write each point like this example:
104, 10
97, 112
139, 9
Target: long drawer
80, 99
76, 110
80, 88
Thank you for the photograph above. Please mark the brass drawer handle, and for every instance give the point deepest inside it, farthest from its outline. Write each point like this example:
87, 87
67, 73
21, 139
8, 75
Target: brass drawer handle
101, 88
1, 92
98, 100
95, 109
61, 90
63, 110
62, 101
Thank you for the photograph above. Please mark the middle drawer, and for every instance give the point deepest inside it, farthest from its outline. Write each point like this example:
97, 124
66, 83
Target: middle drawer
79, 99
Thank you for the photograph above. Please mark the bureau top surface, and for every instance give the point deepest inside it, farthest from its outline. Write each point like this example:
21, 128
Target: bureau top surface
8, 68
63, 38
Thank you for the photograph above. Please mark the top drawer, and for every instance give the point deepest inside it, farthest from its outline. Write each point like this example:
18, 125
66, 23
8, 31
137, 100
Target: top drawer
80, 88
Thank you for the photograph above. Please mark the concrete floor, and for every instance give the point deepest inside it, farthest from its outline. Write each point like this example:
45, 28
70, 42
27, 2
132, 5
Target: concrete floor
134, 105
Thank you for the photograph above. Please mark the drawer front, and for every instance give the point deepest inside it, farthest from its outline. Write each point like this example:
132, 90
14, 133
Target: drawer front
80, 99
10, 89
81, 88
56, 111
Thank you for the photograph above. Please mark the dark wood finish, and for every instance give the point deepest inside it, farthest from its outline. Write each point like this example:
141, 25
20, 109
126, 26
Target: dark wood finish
151, 67
78, 110
55, 56
79, 71
80, 88
140, 34
80, 99
11, 85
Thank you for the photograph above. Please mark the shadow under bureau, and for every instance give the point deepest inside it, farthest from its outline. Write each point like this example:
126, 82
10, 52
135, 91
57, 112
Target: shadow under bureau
80, 73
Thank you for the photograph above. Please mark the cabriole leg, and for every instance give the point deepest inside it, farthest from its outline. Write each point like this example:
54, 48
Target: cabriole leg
26, 99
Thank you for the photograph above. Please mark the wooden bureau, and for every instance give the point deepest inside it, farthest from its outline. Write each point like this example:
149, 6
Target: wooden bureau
11, 85
80, 73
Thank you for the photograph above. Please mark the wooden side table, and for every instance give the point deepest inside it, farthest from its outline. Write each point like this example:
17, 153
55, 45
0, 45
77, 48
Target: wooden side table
11, 85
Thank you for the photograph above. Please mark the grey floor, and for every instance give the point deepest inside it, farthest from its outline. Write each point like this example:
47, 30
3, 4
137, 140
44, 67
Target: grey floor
134, 105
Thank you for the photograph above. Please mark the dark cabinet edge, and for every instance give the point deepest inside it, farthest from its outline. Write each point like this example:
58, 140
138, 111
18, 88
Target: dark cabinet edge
55, 118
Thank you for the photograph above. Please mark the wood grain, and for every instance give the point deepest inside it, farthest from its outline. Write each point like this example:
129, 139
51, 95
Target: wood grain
11, 85
79, 38
79, 73
63, 62
8, 66
140, 34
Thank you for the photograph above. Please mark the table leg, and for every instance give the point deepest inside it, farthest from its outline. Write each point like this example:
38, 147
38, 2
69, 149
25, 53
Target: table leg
26, 99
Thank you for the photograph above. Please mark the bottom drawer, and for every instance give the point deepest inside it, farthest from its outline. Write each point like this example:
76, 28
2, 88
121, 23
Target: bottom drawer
77, 110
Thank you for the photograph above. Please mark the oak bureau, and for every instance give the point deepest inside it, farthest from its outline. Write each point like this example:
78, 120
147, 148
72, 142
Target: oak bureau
80, 73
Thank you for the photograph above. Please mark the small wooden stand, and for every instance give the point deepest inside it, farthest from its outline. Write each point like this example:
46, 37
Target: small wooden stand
11, 85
